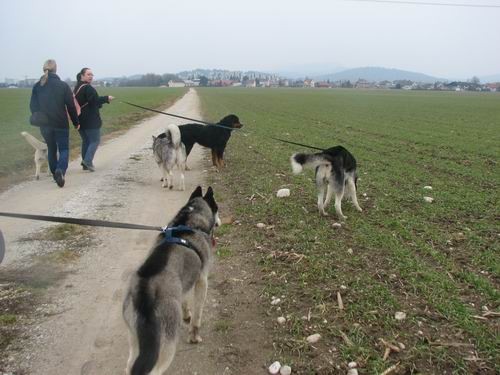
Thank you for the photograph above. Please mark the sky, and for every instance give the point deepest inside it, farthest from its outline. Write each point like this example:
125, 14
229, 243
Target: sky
126, 37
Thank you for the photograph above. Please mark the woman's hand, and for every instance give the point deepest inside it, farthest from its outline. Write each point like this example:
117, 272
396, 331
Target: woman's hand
110, 98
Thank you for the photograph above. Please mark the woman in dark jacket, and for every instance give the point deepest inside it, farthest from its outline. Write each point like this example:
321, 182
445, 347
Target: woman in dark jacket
50, 99
90, 118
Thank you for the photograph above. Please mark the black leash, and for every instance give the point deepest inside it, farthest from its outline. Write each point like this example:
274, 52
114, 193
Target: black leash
89, 222
170, 233
178, 116
165, 113
298, 144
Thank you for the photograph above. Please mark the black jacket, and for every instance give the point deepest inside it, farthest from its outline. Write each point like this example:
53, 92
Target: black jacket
53, 98
90, 102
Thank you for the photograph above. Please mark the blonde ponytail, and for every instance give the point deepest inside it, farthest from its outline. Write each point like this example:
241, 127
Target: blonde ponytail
49, 66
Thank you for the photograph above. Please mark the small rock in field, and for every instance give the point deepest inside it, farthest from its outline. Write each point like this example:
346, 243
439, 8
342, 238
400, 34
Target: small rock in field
428, 199
275, 301
312, 339
274, 368
428, 187
349, 251
400, 315
352, 365
336, 225
281, 320
283, 193
285, 370
352, 371
261, 225
401, 345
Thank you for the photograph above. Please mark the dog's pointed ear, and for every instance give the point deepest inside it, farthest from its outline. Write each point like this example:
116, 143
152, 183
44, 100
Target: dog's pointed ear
209, 198
196, 193
209, 194
154, 138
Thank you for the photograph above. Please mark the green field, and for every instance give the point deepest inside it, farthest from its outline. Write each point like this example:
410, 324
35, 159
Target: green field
439, 263
14, 118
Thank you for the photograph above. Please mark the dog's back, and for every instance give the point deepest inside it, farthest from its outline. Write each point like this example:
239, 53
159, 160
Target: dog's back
153, 305
210, 136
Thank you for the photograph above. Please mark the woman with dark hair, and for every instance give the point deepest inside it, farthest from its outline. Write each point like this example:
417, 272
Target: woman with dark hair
90, 118
50, 99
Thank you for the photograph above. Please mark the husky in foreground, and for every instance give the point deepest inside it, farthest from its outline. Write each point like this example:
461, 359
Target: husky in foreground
335, 173
171, 281
170, 152
40, 152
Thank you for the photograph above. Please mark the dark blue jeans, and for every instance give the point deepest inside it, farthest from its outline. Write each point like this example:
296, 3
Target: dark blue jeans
90, 140
57, 142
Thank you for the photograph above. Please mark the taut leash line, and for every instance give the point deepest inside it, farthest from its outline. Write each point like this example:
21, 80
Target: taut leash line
298, 144
178, 116
89, 222
165, 113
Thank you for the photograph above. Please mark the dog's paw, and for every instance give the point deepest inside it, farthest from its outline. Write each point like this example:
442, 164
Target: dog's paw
194, 337
359, 209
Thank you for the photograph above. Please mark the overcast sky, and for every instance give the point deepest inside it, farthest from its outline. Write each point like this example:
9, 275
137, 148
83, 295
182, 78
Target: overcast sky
127, 37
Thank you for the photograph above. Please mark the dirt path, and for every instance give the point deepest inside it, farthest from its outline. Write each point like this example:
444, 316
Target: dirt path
84, 333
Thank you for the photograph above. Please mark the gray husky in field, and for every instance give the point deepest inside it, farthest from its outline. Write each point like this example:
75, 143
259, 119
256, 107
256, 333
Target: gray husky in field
40, 152
171, 281
170, 152
335, 173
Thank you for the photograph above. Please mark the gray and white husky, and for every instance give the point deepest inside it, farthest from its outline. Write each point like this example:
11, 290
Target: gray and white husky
171, 281
335, 173
170, 152
40, 152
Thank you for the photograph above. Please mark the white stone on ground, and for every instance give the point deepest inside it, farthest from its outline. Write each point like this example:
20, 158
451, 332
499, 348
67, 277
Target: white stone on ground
400, 315
274, 368
428, 199
285, 370
312, 339
283, 193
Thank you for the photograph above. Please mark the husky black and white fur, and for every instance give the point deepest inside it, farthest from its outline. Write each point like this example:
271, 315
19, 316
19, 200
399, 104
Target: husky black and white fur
170, 152
40, 152
172, 280
335, 173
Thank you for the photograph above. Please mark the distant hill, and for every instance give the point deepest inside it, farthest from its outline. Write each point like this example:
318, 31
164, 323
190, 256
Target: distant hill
490, 78
377, 74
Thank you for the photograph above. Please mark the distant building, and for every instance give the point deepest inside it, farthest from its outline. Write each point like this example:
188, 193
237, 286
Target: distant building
176, 83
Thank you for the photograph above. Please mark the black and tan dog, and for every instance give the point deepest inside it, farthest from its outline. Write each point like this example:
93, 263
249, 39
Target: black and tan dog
213, 137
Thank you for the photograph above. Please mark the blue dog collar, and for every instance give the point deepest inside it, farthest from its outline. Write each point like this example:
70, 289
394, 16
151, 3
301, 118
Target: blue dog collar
171, 232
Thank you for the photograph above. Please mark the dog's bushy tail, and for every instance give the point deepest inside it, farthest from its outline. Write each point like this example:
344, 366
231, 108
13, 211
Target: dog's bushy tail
299, 161
148, 329
37, 145
175, 134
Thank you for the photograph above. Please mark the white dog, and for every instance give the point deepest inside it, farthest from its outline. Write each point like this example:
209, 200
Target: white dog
40, 152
